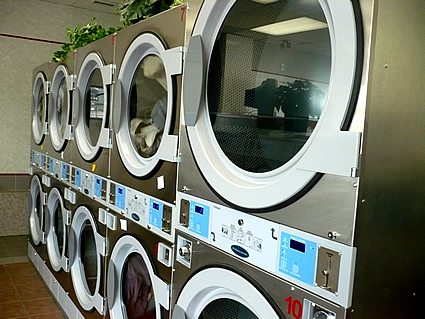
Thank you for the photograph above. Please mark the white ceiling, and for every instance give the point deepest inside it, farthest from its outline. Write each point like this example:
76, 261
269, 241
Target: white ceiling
107, 6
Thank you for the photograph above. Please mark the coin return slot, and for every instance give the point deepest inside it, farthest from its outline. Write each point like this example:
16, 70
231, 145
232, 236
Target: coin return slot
328, 265
184, 212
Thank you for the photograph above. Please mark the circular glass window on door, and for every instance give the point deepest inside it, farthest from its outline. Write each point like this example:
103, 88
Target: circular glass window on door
226, 308
39, 108
137, 291
88, 257
36, 214
265, 103
60, 110
278, 91
94, 107
148, 105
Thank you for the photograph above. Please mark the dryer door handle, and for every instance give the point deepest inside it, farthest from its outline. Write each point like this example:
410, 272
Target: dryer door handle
112, 275
193, 80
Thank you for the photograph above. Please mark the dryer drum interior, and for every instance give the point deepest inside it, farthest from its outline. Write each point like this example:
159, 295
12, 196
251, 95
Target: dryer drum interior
144, 111
57, 231
37, 211
134, 290
92, 106
60, 111
87, 260
278, 85
221, 293
39, 107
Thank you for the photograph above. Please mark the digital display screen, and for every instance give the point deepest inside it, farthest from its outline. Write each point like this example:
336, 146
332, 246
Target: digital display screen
199, 210
155, 206
297, 245
120, 190
98, 180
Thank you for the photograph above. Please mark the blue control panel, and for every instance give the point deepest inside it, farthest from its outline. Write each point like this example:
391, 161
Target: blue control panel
51, 165
156, 212
77, 177
42, 160
297, 258
98, 186
199, 219
32, 157
64, 170
120, 197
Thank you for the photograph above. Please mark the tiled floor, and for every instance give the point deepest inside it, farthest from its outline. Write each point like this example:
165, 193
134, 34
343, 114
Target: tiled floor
22, 292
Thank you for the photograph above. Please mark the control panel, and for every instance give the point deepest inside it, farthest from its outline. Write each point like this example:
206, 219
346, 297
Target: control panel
100, 185
319, 265
142, 209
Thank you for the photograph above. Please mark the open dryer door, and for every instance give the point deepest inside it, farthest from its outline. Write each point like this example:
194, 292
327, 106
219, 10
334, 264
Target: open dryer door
39, 111
37, 202
269, 91
57, 234
87, 251
92, 107
134, 290
144, 108
60, 114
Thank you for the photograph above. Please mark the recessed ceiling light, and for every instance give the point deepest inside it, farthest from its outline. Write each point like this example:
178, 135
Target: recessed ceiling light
291, 26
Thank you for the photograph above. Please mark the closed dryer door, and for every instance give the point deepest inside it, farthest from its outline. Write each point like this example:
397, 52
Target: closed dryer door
60, 110
145, 104
87, 249
37, 201
134, 290
221, 293
91, 107
57, 232
269, 90
39, 113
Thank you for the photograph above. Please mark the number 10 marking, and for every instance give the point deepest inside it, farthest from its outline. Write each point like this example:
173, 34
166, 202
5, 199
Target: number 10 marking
295, 307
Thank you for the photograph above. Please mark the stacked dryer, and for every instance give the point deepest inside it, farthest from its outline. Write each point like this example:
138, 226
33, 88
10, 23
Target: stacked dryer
146, 123
272, 214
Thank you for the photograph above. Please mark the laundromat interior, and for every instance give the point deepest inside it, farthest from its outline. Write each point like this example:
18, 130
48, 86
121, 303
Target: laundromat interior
212, 159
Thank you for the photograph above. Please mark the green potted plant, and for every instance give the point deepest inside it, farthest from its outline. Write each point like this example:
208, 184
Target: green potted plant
133, 11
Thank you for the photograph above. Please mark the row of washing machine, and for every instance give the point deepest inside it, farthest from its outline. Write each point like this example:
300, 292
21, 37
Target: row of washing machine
210, 162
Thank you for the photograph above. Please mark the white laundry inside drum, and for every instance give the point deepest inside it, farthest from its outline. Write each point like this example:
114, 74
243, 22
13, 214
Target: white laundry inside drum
148, 105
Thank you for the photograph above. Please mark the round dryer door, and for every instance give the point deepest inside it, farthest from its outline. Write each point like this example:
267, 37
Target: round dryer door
274, 109
57, 231
92, 103
87, 260
39, 108
37, 198
221, 293
60, 110
144, 108
133, 288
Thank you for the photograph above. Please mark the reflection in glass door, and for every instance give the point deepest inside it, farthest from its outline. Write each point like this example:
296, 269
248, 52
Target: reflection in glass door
88, 257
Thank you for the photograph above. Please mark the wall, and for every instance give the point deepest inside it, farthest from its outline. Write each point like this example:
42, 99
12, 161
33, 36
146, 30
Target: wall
38, 20
29, 33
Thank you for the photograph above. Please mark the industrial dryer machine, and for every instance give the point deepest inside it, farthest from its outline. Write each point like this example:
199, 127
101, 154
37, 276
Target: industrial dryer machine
94, 68
146, 113
87, 251
60, 110
277, 133
39, 105
37, 214
139, 266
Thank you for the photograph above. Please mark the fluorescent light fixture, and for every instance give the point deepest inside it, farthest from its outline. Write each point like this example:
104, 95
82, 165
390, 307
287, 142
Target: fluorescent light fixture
265, 1
291, 26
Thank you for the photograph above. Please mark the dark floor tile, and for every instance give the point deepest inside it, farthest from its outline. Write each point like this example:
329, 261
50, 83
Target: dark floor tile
32, 290
12, 310
9, 295
4, 253
20, 251
5, 282
24, 280
53, 315
40, 306
21, 269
